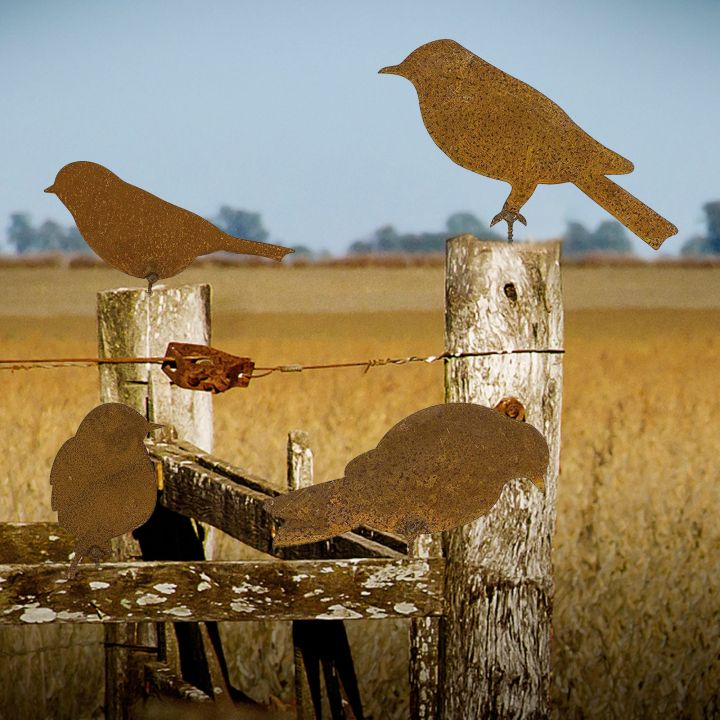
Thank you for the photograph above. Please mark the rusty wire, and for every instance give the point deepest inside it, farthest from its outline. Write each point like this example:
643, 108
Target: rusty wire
47, 363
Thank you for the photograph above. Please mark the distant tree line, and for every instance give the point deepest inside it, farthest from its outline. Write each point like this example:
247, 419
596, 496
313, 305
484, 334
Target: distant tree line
609, 236
387, 240
708, 244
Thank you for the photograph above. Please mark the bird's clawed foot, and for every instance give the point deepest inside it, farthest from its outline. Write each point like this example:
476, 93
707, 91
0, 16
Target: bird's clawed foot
510, 216
152, 278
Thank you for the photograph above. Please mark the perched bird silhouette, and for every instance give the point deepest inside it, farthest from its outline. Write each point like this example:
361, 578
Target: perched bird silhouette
103, 481
437, 469
494, 124
137, 232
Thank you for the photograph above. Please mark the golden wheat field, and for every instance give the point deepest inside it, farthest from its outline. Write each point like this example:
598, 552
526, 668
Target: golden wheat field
636, 615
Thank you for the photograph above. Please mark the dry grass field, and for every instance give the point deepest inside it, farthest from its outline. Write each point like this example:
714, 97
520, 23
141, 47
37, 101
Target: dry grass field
636, 618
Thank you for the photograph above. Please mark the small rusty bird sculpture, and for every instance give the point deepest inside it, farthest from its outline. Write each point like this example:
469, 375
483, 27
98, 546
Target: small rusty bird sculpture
494, 124
103, 481
437, 469
137, 232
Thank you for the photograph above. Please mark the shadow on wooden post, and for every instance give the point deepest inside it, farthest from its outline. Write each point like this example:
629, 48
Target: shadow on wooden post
498, 597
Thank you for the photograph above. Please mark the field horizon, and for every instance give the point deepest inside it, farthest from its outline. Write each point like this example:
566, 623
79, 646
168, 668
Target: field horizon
635, 551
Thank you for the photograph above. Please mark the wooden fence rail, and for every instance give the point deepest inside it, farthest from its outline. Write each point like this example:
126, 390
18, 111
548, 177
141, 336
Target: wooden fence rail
479, 597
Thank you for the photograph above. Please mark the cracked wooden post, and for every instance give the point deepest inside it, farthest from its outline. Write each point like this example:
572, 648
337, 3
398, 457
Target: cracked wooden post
425, 646
300, 475
498, 597
132, 323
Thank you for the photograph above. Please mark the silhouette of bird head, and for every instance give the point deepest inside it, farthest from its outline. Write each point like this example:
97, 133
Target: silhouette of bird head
116, 427
436, 61
93, 179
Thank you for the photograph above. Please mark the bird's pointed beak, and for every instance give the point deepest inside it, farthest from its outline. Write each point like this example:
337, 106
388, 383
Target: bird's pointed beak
151, 426
390, 70
50, 189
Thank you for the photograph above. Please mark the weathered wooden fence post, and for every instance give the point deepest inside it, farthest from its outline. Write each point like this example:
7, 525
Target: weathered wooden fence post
300, 475
132, 323
498, 602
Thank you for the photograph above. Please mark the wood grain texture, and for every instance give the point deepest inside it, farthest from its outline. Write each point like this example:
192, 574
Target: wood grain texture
232, 501
34, 543
243, 590
499, 572
134, 323
299, 475
425, 636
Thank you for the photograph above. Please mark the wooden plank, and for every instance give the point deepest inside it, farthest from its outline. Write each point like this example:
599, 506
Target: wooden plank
247, 590
496, 657
34, 543
245, 478
196, 491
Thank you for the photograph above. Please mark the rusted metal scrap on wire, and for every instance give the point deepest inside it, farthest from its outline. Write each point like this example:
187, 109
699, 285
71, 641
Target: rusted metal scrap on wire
199, 367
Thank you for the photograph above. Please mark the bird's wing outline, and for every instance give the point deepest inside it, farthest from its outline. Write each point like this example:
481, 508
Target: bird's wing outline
509, 90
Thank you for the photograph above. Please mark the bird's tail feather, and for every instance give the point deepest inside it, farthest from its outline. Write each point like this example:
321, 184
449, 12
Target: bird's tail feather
250, 247
311, 514
635, 215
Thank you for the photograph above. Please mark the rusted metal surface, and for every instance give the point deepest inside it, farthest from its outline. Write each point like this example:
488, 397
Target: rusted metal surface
252, 590
511, 407
496, 125
435, 470
137, 232
198, 367
231, 499
103, 482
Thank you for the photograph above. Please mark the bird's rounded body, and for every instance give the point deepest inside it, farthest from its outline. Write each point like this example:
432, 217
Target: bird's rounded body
498, 126
138, 232
437, 469
103, 481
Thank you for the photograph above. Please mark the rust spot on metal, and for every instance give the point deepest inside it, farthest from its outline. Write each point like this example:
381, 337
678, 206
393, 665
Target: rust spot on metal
511, 407
199, 367
496, 125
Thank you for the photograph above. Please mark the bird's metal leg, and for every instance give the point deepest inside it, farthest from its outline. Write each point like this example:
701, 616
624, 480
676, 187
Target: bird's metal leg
510, 213
510, 216
152, 278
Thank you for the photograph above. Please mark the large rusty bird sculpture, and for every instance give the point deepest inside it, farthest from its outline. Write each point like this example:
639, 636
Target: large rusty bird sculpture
137, 232
437, 469
103, 481
496, 125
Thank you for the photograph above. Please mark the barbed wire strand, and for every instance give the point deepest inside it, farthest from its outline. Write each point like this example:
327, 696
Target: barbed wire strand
46, 363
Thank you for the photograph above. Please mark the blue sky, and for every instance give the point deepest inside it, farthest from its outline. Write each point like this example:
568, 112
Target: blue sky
277, 107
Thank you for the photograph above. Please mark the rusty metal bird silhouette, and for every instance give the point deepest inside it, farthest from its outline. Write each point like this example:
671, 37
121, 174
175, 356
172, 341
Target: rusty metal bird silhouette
437, 469
496, 125
137, 232
103, 481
